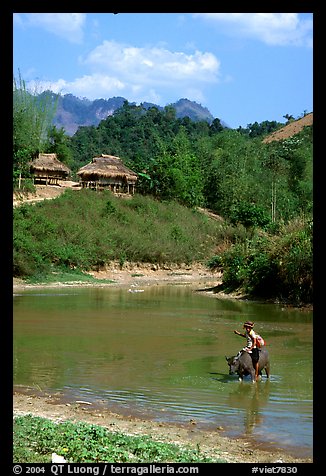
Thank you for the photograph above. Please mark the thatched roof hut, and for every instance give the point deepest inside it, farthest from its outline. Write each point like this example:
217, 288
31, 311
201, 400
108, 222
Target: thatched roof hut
46, 167
108, 171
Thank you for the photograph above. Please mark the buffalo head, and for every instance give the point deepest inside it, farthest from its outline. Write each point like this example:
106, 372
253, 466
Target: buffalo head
233, 364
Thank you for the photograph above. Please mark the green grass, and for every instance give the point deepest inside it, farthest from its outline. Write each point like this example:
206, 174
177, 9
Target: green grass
65, 277
36, 438
87, 230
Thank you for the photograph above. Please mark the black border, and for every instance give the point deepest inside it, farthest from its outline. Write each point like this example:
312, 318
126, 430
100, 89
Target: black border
6, 31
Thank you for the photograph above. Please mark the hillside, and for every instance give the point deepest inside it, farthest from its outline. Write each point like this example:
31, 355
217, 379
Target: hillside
73, 112
86, 230
290, 129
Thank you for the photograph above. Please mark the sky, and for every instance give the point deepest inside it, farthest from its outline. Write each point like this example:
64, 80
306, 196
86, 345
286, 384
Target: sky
243, 67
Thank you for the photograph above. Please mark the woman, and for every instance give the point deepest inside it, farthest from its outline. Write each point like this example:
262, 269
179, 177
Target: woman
251, 346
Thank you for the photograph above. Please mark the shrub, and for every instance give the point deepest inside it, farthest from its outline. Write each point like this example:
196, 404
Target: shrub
293, 254
249, 214
272, 265
262, 276
234, 266
216, 262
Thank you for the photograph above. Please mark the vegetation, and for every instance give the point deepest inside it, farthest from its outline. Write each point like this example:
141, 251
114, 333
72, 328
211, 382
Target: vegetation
263, 192
64, 275
36, 438
271, 265
199, 164
86, 230
32, 118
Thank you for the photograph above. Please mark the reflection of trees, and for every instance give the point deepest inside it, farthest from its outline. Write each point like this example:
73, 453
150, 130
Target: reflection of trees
251, 398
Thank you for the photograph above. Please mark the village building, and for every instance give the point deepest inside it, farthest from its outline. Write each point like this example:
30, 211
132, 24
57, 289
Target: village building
47, 168
108, 172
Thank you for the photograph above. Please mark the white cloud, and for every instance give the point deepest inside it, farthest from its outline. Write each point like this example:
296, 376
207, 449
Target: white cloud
141, 74
91, 86
37, 86
97, 86
66, 25
152, 66
271, 28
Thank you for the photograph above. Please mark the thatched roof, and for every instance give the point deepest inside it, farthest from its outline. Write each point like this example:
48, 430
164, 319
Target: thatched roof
48, 162
107, 166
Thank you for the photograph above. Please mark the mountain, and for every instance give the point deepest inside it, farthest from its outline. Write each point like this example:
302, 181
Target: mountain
73, 112
196, 112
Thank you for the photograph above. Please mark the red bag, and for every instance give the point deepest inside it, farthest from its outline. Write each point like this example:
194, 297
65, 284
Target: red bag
259, 340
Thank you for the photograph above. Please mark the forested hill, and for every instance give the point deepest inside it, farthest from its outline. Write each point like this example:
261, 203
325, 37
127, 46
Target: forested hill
73, 112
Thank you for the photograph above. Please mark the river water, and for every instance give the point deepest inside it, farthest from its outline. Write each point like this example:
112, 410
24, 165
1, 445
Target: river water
159, 352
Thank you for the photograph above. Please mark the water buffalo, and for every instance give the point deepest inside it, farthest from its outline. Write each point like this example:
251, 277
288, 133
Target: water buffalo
244, 366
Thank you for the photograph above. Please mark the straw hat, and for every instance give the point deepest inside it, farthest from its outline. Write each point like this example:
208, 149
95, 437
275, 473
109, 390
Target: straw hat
249, 324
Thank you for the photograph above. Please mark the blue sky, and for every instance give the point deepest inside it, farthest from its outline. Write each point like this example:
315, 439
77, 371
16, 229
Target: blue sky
244, 67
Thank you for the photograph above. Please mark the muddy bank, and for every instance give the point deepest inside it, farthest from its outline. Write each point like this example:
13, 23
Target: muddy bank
213, 443
198, 277
141, 275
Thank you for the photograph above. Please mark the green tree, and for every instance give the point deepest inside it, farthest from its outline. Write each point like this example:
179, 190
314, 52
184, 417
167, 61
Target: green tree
58, 143
32, 118
232, 177
216, 126
266, 127
289, 118
277, 177
178, 177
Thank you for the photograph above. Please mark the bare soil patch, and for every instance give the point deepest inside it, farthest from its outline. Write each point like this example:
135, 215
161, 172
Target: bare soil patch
44, 192
290, 129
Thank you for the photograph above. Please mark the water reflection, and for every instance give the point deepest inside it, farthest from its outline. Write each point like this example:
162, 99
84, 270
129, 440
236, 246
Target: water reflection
251, 399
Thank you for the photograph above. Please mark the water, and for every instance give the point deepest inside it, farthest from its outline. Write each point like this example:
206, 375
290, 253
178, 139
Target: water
161, 353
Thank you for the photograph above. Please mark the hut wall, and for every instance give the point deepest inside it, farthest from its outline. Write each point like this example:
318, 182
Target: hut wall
49, 176
114, 184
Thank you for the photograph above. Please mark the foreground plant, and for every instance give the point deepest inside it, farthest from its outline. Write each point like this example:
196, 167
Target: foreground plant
36, 438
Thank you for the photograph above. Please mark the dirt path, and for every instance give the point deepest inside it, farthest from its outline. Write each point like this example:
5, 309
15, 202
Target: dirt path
44, 192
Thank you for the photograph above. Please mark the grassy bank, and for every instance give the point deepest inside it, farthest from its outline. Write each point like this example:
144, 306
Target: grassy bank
36, 438
65, 276
85, 230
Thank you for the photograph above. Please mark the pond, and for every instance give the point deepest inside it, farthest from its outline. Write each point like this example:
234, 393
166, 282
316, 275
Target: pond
159, 353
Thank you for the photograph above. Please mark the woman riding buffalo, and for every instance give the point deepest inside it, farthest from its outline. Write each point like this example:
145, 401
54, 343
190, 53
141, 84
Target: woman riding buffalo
251, 346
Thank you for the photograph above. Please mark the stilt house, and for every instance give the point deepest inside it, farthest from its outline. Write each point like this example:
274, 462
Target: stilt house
108, 172
47, 168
